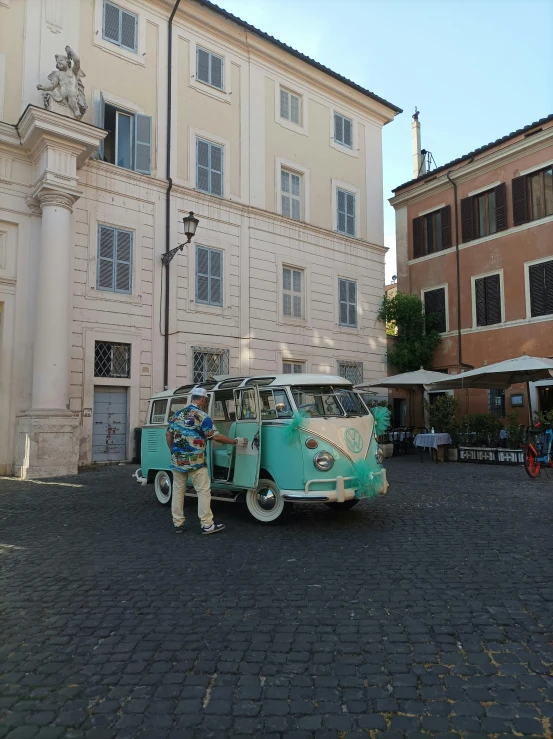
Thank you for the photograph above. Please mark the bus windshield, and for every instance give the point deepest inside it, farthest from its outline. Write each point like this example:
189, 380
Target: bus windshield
319, 401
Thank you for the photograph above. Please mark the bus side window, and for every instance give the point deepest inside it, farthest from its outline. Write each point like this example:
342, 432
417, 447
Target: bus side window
157, 414
282, 404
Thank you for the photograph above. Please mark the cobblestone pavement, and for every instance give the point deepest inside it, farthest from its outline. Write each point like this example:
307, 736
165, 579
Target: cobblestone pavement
428, 612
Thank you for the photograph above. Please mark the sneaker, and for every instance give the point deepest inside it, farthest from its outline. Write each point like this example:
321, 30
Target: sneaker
213, 529
179, 529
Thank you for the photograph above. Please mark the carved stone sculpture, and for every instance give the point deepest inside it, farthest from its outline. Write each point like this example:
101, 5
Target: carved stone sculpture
66, 87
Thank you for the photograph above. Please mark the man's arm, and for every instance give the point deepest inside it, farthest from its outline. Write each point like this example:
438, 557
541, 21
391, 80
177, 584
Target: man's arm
169, 439
224, 439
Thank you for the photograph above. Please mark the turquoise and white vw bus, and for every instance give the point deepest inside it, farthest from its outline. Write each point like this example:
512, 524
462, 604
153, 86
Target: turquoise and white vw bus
310, 439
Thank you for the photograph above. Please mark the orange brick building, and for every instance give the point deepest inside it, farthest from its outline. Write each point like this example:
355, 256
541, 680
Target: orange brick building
475, 241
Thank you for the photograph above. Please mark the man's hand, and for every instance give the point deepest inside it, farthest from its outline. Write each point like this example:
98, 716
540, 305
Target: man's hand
241, 441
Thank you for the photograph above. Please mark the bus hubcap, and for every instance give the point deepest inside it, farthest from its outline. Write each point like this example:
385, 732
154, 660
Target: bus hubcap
266, 499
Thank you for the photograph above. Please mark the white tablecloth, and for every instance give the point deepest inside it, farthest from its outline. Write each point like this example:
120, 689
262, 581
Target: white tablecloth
432, 440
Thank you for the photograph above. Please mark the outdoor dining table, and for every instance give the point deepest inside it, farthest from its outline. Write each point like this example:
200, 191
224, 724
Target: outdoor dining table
432, 441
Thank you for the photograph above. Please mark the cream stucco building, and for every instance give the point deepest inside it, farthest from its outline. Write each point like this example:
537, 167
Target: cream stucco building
280, 159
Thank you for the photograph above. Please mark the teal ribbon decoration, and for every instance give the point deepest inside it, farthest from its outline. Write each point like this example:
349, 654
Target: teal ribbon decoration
300, 420
368, 478
382, 419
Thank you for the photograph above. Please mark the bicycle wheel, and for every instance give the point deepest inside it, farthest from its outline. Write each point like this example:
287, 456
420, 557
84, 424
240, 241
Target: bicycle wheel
531, 464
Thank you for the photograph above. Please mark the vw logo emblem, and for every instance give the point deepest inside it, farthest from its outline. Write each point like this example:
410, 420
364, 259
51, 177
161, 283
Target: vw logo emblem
354, 440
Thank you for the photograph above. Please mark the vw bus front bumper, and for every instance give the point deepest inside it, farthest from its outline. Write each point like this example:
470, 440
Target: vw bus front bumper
339, 494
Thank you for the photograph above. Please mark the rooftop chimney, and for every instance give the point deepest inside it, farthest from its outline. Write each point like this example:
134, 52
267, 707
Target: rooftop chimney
419, 161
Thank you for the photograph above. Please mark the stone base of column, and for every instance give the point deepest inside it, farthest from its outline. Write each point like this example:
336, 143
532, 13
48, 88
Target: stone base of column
46, 444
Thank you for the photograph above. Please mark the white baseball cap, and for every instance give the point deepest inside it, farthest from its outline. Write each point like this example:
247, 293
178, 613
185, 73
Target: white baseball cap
199, 392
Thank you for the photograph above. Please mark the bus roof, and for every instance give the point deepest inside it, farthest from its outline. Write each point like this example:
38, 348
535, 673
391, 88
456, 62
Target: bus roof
229, 382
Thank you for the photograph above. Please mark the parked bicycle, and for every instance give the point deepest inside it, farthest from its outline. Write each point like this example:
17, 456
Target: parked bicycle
538, 449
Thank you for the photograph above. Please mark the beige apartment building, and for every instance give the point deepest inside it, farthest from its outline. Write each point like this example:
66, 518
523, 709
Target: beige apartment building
188, 109
475, 241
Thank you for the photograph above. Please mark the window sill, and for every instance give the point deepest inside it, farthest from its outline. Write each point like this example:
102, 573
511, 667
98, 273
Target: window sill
295, 127
344, 149
206, 89
289, 321
95, 293
129, 56
353, 330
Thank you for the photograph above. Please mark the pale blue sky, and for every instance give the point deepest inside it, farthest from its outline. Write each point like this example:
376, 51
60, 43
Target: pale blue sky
476, 69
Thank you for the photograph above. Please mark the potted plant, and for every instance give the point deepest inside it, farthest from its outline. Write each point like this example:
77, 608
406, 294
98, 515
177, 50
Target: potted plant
442, 416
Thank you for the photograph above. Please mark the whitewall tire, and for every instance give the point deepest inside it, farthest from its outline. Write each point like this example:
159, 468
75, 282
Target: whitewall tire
266, 505
163, 487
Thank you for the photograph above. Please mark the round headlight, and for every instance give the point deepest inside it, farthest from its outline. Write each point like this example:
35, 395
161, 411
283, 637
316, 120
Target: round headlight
379, 455
323, 461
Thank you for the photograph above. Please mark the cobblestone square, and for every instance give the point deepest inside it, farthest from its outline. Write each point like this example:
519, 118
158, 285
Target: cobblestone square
425, 613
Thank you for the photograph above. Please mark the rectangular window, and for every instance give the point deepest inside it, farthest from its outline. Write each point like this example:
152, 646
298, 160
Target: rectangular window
292, 292
540, 194
129, 140
209, 68
434, 304
293, 368
120, 27
290, 106
540, 277
345, 203
343, 130
488, 300
112, 360
291, 194
496, 402
209, 167
432, 232
352, 371
485, 214
209, 276
209, 362
348, 302
158, 411
114, 260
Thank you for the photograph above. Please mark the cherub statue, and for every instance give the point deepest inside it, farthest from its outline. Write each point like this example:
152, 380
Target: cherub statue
66, 86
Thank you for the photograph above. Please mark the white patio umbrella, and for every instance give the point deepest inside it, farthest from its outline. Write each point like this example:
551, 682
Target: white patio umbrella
410, 380
500, 375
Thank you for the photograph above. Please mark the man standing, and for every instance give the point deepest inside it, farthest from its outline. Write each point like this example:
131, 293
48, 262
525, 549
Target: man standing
187, 436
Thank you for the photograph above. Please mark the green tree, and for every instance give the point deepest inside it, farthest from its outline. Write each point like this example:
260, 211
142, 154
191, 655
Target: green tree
417, 336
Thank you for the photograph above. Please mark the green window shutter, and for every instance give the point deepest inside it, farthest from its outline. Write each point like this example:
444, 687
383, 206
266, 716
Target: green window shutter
143, 143
520, 205
106, 258
216, 167
129, 23
123, 262
202, 274
467, 219
202, 165
501, 207
202, 65
112, 22
215, 277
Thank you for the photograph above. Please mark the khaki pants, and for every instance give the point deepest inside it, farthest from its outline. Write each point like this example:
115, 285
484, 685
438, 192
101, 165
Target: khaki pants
202, 485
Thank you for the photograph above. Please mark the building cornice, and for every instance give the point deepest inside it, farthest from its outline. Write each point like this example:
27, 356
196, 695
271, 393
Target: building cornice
470, 169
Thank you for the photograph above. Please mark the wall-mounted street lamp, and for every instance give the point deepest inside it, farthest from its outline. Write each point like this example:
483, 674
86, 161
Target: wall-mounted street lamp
190, 226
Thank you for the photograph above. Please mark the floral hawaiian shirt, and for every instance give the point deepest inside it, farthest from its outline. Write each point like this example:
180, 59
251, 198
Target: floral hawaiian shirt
191, 429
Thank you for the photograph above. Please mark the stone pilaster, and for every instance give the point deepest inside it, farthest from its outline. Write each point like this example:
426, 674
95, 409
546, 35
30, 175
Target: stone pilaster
47, 443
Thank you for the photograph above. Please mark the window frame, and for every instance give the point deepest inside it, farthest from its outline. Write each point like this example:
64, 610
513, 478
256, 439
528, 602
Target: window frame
346, 193
293, 293
221, 253
351, 190
529, 205
292, 89
474, 279
120, 108
445, 288
211, 144
527, 289
350, 121
212, 54
348, 303
350, 363
293, 363
115, 261
128, 360
121, 11
476, 210
290, 195
497, 393
222, 351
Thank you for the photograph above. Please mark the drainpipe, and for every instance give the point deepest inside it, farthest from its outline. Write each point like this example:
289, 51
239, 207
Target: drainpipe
168, 193
459, 340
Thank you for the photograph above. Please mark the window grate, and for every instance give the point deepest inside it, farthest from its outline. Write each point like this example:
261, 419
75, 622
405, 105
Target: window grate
209, 362
496, 402
112, 360
352, 371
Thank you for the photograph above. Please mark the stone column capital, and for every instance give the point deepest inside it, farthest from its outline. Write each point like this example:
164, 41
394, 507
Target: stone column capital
59, 199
